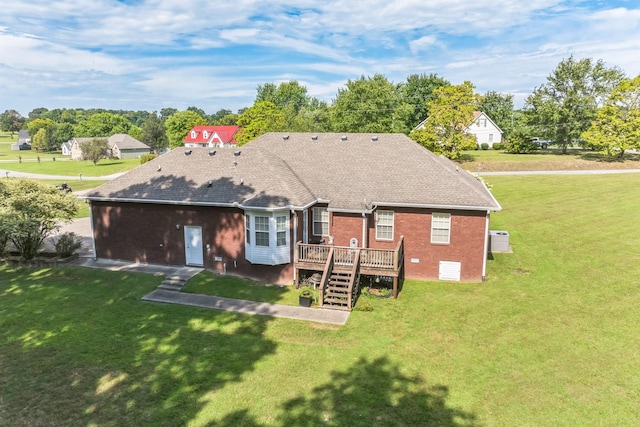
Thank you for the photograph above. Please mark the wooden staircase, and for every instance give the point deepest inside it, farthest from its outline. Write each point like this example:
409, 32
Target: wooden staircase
339, 286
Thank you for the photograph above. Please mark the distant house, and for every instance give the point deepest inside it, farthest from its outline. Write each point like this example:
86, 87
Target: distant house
120, 146
211, 136
292, 206
482, 127
66, 148
23, 137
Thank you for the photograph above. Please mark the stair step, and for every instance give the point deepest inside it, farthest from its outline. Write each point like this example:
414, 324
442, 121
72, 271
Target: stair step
339, 284
336, 294
335, 301
169, 287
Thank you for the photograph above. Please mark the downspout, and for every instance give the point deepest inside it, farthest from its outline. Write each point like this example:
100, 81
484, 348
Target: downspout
486, 247
295, 242
93, 235
364, 230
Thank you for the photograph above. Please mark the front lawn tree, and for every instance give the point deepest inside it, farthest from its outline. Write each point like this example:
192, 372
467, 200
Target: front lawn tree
450, 112
562, 108
616, 127
105, 125
31, 211
417, 91
95, 149
261, 118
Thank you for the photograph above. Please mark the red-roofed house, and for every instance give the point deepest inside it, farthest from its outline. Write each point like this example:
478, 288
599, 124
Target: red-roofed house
211, 136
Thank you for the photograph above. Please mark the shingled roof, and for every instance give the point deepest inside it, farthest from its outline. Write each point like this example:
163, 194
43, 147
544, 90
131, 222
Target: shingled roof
350, 172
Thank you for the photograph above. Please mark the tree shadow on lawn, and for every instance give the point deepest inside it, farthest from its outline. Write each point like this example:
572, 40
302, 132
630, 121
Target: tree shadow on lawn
368, 393
80, 348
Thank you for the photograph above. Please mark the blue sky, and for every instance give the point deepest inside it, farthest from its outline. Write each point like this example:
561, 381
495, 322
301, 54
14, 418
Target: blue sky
152, 54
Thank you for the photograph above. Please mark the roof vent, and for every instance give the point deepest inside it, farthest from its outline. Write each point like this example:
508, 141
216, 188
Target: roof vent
237, 153
210, 184
343, 137
285, 137
234, 164
314, 137
187, 152
159, 168
374, 138
212, 152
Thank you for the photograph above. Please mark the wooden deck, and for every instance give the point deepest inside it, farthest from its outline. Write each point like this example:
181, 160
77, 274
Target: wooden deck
374, 262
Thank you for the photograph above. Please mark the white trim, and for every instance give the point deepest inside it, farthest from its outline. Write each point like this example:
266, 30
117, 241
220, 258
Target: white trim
271, 254
93, 234
364, 230
442, 216
321, 221
486, 248
386, 211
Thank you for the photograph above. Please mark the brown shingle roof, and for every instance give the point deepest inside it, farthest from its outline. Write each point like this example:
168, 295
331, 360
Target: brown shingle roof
273, 172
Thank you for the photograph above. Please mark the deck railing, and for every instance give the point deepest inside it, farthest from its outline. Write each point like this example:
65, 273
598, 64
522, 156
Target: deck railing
384, 259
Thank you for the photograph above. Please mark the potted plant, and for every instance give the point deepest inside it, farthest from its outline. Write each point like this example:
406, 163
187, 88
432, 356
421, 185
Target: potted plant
306, 296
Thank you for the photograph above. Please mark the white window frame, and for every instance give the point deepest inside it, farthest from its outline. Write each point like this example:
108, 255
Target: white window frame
440, 228
273, 232
205, 134
318, 218
261, 226
384, 221
194, 134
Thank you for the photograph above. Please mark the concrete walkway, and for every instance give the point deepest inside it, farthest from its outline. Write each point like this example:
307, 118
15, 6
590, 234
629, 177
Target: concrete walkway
321, 315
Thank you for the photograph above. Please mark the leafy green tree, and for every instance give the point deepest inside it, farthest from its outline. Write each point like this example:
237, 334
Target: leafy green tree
450, 112
218, 115
44, 139
154, 133
105, 124
37, 113
165, 113
562, 109
36, 124
616, 127
179, 124
64, 132
31, 211
370, 104
499, 107
11, 121
95, 149
520, 142
228, 120
417, 91
263, 117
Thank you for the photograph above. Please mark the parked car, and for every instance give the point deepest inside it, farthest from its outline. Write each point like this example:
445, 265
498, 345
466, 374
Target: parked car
542, 143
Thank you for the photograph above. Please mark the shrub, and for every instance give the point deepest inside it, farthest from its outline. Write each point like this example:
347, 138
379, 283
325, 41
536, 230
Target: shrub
520, 143
484, 146
147, 158
67, 244
3, 242
497, 146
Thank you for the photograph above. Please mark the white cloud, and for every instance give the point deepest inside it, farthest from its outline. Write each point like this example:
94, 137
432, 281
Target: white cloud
423, 43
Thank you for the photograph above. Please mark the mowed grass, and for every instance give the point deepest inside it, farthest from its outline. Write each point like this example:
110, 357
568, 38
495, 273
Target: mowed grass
550, 159
551, 338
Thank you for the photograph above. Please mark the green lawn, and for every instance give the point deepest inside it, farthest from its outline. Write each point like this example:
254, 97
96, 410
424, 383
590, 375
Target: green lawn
552, 338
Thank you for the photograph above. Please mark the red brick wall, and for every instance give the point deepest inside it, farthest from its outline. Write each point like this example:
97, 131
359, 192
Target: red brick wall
147, 233
466, 245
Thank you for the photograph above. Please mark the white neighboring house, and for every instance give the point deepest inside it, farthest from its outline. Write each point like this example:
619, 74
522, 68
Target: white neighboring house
66, 148
482, 127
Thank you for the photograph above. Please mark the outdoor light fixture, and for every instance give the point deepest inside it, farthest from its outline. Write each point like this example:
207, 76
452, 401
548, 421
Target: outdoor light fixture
177, 226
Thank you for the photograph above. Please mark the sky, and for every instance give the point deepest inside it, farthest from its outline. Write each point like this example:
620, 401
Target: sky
212, 54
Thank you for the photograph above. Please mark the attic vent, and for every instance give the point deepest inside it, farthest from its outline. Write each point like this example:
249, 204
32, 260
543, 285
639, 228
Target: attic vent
212, 152
237, 153
159, 168
187, 152
210, 183
374, 138
343, 137
285, 137
314, 138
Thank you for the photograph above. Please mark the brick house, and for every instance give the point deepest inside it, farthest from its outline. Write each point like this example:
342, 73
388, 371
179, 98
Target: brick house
287, 205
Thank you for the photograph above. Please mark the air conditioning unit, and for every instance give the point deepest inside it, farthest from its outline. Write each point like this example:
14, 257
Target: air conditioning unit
499, 241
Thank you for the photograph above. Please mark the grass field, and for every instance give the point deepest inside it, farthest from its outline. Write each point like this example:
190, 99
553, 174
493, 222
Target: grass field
550, 339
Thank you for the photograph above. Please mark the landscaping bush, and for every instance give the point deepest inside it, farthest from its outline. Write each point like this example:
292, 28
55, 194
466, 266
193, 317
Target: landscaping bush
520, 143
497, 146
484, 146
67, 244
3, 243
147, 158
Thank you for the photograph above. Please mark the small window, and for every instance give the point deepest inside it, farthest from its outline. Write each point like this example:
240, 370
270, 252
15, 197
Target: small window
490, 137
193, 134
281, 230
205, 134
440, 227
262, 230
384, 225
320, 222
247, 228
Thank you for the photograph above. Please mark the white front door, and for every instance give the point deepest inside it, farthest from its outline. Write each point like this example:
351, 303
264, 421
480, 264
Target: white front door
193, 245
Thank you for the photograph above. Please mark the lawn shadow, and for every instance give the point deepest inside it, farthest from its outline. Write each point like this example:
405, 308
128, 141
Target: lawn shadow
368, 393
80, 348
